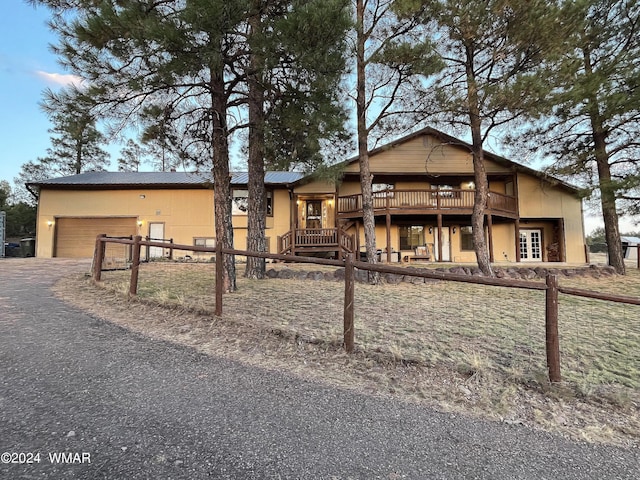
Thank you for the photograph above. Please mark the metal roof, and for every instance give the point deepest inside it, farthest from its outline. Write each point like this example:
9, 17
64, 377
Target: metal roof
165, 179
630, 240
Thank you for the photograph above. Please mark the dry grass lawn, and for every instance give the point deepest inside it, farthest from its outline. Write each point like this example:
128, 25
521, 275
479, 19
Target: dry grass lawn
455, 347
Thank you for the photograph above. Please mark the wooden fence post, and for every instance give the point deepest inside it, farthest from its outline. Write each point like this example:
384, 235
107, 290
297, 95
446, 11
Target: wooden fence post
551, 326
171, 249
219, 278
98, 257
349, 281
135, 266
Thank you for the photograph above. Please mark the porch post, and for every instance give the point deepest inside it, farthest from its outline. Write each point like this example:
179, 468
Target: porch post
439, 217
294, 236
293, 220
517, 229
561, 242
357, 244
490, 229
388, 237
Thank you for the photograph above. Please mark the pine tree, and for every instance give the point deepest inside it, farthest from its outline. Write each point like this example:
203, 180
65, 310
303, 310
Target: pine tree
76, 142
137, 54
131, 157
75, 139
490, 49
192, 62
592, 122
387, 64
295, 62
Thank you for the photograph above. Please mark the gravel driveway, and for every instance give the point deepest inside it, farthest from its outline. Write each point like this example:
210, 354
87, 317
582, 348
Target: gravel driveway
127, 407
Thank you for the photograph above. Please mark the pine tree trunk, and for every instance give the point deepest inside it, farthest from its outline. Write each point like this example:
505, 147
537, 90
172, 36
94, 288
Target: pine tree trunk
479, 171
366, 179
608, 203
78, 163
257, 208
221, 181
607, 190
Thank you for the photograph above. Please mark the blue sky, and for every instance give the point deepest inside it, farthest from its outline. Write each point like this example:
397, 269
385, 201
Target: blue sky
27, 67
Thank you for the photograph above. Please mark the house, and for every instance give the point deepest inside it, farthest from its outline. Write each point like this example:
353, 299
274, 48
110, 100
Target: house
176, 206
423, 198
630, 247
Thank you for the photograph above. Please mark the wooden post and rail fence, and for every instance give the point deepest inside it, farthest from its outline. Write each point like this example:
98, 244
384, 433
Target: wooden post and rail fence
551, 286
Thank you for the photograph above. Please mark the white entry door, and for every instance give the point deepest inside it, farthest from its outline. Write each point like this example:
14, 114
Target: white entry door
531, 245
446, 245
156, 234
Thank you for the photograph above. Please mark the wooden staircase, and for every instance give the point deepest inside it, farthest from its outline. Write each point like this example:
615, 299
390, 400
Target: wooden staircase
311, 241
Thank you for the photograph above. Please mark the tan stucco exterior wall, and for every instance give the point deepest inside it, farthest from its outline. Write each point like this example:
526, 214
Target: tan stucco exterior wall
424, 154
540, 200
186, 214
276, 224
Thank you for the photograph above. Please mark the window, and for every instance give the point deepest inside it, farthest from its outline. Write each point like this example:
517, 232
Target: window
444, 191
530, 245
241, 202
205, 242
466, 238
380, 190
411, 236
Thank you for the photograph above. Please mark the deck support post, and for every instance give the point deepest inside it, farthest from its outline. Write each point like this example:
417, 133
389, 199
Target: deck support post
439, 217
490, 230
388, 237
561, 241
517, 235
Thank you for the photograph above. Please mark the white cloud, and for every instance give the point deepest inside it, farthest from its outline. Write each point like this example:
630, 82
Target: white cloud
60, 79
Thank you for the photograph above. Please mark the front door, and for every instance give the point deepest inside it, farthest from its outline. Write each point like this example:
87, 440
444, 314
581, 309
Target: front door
531, 245
313, 214
446, 245
156, 234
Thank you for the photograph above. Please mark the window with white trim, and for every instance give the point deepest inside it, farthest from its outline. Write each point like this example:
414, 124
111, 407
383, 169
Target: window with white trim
240, 204
209, 242
381, 190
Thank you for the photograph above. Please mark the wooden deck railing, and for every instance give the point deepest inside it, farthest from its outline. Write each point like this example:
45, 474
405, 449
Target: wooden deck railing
316, 239
400, 201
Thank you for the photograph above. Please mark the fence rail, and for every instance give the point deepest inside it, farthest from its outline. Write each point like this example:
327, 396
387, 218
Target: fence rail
550, 287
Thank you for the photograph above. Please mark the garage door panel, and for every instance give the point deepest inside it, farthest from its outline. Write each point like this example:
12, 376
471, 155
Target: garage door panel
76, 237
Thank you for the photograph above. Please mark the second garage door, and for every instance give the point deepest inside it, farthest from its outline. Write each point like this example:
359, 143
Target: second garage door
76, 237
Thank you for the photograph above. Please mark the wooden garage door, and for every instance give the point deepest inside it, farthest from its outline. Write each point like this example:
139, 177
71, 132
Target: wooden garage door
76, 237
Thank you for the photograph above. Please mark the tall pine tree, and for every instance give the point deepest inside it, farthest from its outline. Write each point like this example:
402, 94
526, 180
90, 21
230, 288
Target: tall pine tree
490, 49
592, 122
